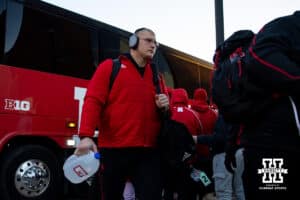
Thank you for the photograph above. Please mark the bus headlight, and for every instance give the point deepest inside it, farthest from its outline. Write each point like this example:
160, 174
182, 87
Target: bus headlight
70, 142
74, 141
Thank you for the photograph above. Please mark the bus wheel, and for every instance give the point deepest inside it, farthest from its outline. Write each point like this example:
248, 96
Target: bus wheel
30, 172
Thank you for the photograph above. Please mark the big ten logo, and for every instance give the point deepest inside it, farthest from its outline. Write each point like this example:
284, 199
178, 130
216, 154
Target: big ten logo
13, 104
272, 170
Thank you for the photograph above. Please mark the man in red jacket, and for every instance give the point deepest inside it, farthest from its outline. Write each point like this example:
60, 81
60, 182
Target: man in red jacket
207, 116
128, 119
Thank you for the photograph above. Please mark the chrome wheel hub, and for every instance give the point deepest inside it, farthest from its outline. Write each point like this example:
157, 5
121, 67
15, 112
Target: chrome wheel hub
32, 178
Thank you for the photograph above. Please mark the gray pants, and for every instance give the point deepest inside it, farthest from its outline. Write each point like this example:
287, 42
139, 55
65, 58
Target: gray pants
228, 185
238, 188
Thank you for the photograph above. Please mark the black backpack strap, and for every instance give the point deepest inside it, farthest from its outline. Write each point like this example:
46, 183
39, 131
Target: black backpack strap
115, 70
155, 78
117, 66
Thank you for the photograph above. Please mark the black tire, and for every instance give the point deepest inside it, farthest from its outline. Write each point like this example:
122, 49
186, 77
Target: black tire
20, 164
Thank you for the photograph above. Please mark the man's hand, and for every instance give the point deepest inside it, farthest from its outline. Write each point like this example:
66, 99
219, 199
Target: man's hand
85, 145
162, 101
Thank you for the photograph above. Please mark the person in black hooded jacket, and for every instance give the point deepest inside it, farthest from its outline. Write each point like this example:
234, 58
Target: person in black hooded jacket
272, 140
227, 181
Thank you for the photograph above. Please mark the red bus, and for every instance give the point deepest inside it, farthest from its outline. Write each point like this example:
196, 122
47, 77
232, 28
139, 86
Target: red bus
47, 56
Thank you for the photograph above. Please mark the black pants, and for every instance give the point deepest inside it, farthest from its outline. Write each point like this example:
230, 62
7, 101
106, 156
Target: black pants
178, 180
141, 165
271, 174
272, 153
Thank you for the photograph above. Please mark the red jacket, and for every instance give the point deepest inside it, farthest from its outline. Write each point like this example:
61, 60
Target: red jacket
181, 113
127, 115
207, 116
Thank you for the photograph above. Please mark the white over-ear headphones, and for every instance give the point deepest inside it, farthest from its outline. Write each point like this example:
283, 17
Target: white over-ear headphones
133, 41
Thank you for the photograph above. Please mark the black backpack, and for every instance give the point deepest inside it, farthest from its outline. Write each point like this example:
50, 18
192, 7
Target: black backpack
237, 99
176, 144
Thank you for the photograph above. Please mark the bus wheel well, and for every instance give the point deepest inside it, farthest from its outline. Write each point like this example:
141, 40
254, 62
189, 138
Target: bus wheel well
25, 140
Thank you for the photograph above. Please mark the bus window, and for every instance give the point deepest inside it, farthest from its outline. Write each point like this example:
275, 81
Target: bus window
2, 7
2, 28
111, 45
13, 17
48, 43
